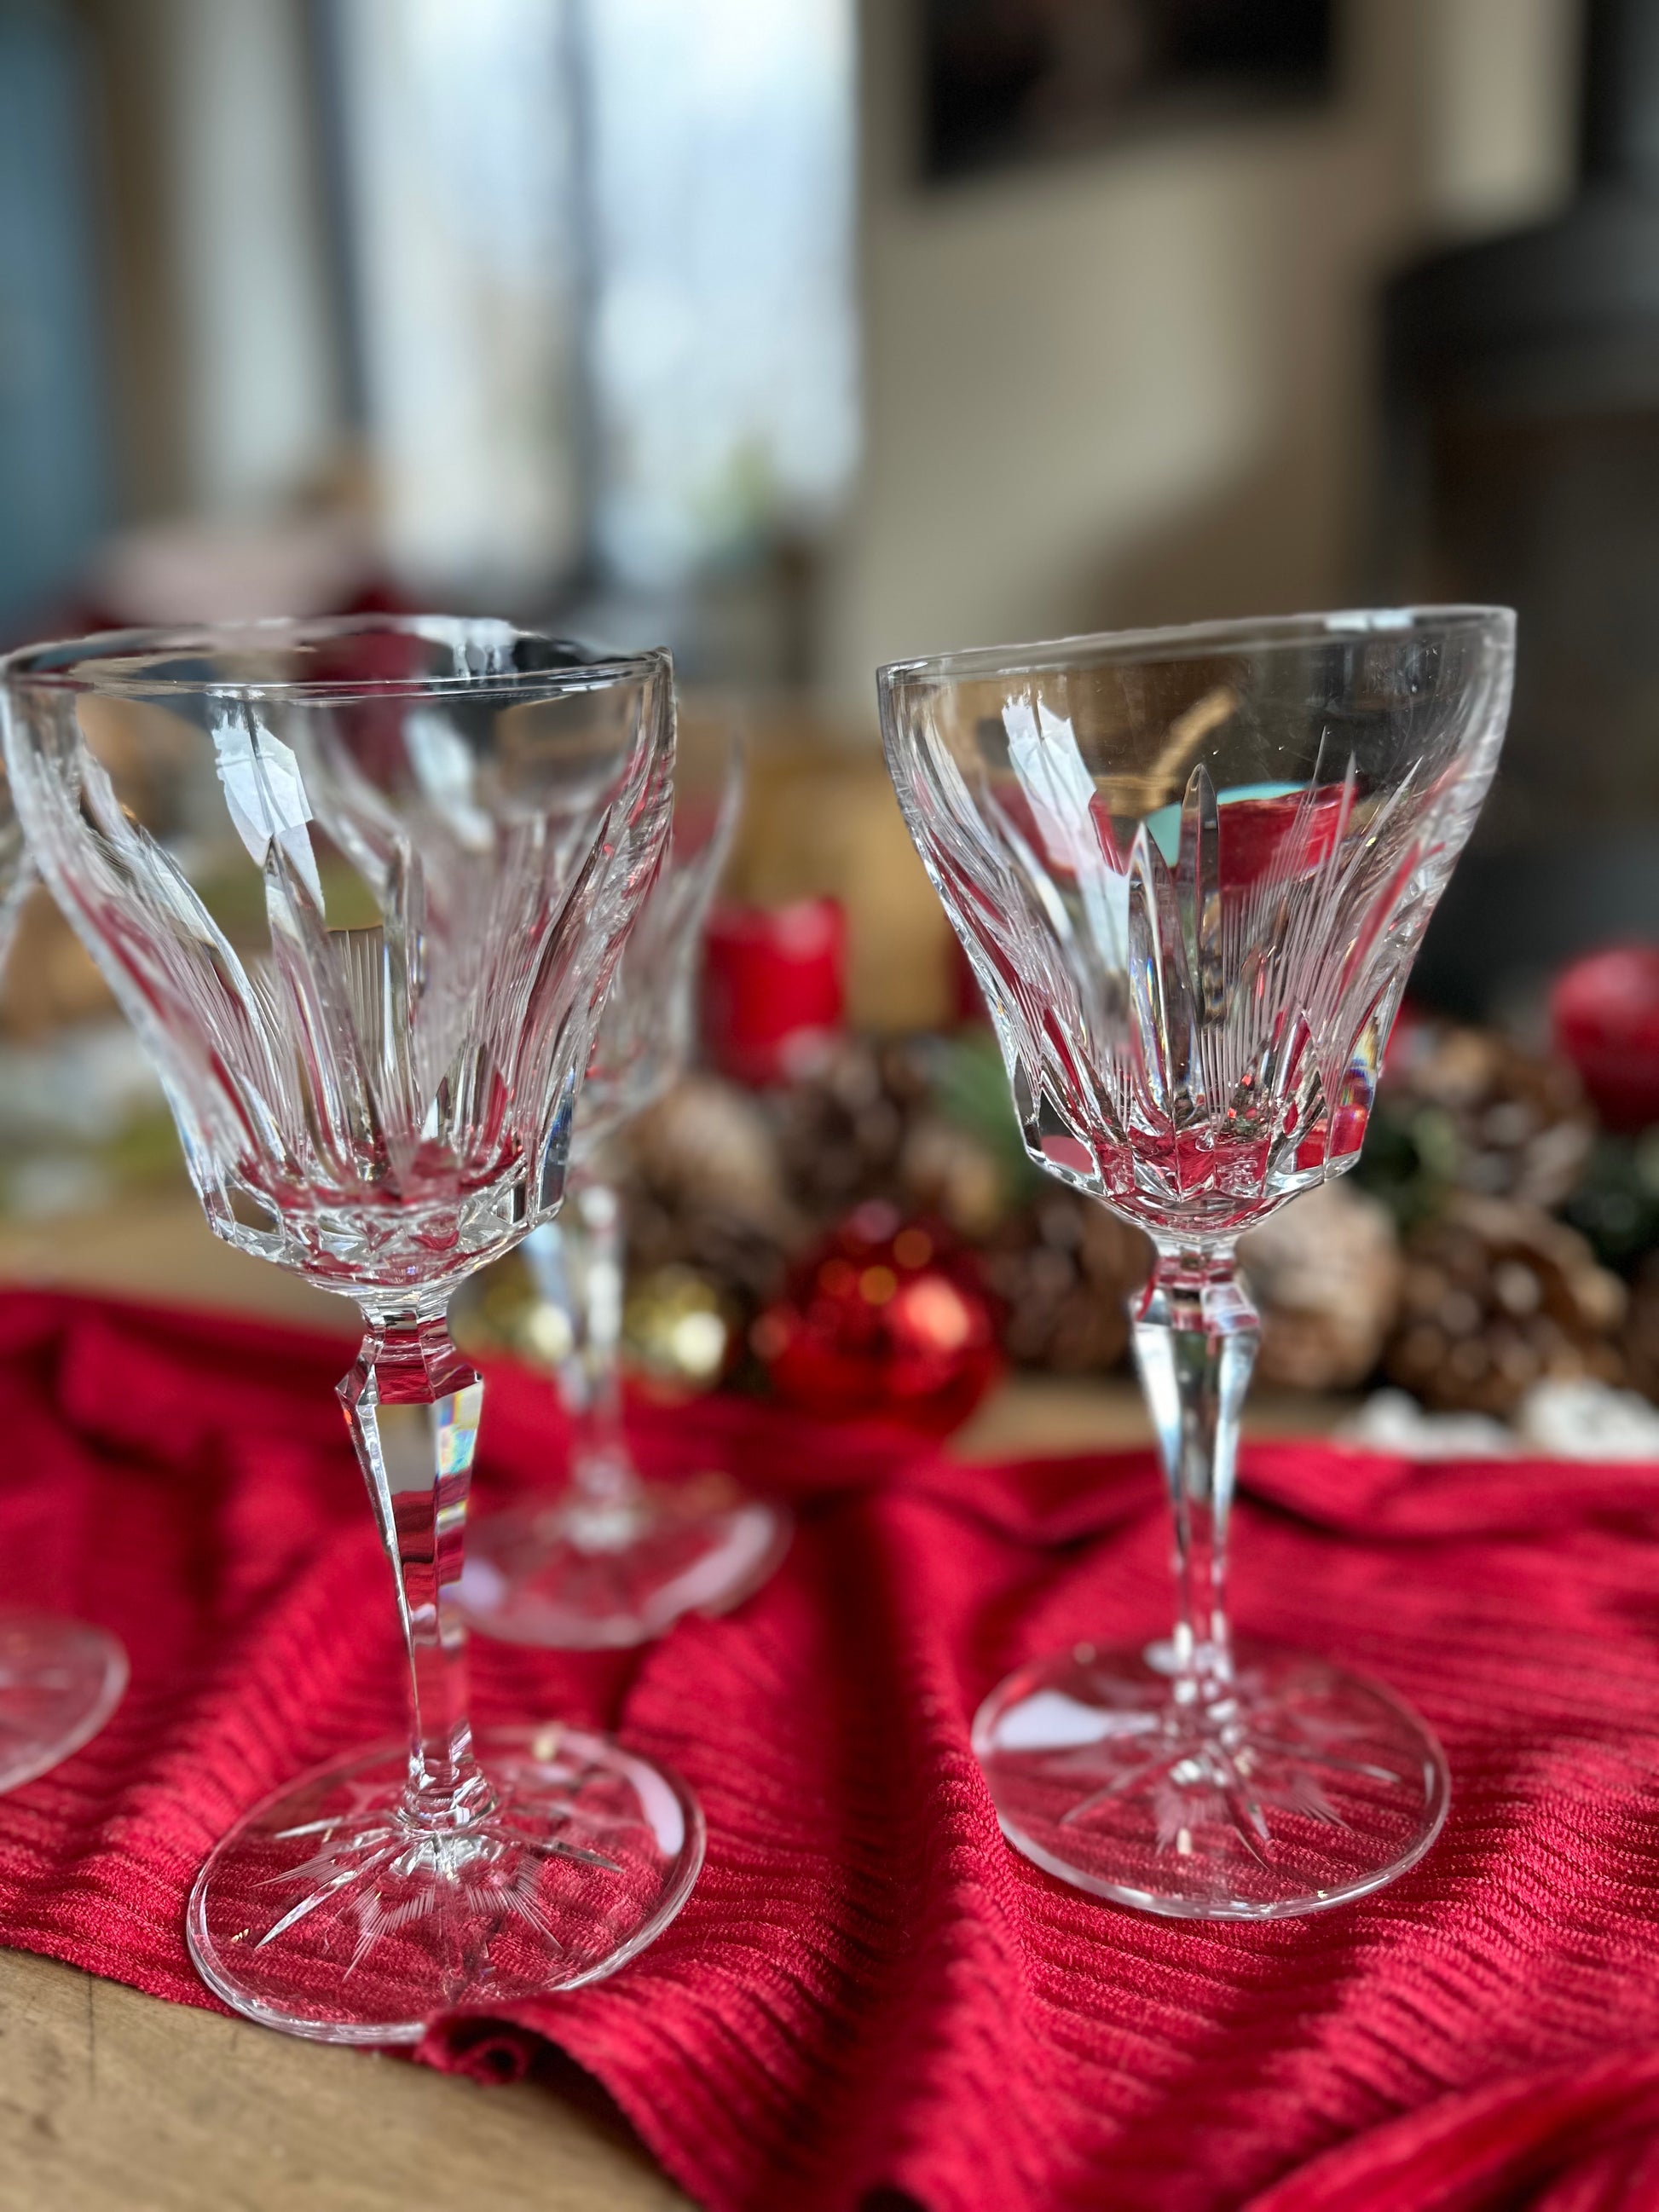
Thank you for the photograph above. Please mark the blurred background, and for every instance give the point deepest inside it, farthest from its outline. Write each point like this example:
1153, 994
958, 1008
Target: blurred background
803, 334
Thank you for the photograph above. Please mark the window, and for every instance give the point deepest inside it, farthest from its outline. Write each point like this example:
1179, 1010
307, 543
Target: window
605, 280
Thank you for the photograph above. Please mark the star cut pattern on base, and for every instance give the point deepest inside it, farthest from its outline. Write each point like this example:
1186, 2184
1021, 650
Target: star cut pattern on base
1226, 1763
389, 1876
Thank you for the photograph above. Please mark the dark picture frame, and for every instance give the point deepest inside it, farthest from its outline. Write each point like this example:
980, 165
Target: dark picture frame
1010, 82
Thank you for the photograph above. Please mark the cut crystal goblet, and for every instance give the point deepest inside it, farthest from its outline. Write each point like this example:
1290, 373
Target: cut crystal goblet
360, 886
1191, 868
615, 1560
59, 1680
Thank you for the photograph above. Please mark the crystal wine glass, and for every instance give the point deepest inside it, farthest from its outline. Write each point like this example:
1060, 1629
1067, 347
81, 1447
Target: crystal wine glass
615, 1560
59, 1680
369, 958
1191, 868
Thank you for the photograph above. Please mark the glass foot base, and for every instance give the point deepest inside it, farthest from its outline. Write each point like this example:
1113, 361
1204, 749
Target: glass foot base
1304, 1788
324, 1913
577, 1576
59, 1682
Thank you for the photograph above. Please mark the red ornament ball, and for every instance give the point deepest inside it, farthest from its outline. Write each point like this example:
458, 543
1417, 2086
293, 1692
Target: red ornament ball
886, 1317
1605, 1009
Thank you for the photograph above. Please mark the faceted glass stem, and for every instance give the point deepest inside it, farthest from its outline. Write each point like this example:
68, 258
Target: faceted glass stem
413, 1404
578, 1263
1195, 1333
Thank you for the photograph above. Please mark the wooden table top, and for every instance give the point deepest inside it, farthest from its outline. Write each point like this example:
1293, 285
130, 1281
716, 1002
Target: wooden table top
112, 2101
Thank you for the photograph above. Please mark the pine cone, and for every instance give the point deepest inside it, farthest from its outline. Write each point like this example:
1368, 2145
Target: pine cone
947, 1174
702, 1188
1498, 1296
1486, 1117
1641, 1333
842, 1133
1326, 1273
745, 1261
709, 1143
1063, 1268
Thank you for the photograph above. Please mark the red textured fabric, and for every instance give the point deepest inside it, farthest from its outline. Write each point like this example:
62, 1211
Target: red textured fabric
870, 1999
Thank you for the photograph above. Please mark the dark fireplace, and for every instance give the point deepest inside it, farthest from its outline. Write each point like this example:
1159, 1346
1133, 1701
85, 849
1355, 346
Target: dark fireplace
1522, 466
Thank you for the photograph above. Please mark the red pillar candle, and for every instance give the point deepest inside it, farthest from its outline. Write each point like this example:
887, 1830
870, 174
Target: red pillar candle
775, 988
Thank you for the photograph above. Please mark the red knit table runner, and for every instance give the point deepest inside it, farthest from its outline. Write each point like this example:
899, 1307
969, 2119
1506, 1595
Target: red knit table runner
869, 1992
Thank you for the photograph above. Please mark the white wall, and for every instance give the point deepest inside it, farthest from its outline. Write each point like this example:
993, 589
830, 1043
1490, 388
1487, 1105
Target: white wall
1136, 386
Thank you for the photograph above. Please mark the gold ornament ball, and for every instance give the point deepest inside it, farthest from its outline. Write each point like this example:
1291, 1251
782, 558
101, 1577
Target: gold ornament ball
678, 1332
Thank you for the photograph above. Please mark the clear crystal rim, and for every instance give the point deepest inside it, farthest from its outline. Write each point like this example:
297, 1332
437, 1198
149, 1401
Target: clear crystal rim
1253, 634
98, 658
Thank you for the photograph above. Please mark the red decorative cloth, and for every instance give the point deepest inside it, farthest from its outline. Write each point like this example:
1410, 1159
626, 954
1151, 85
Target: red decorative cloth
870, 2000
